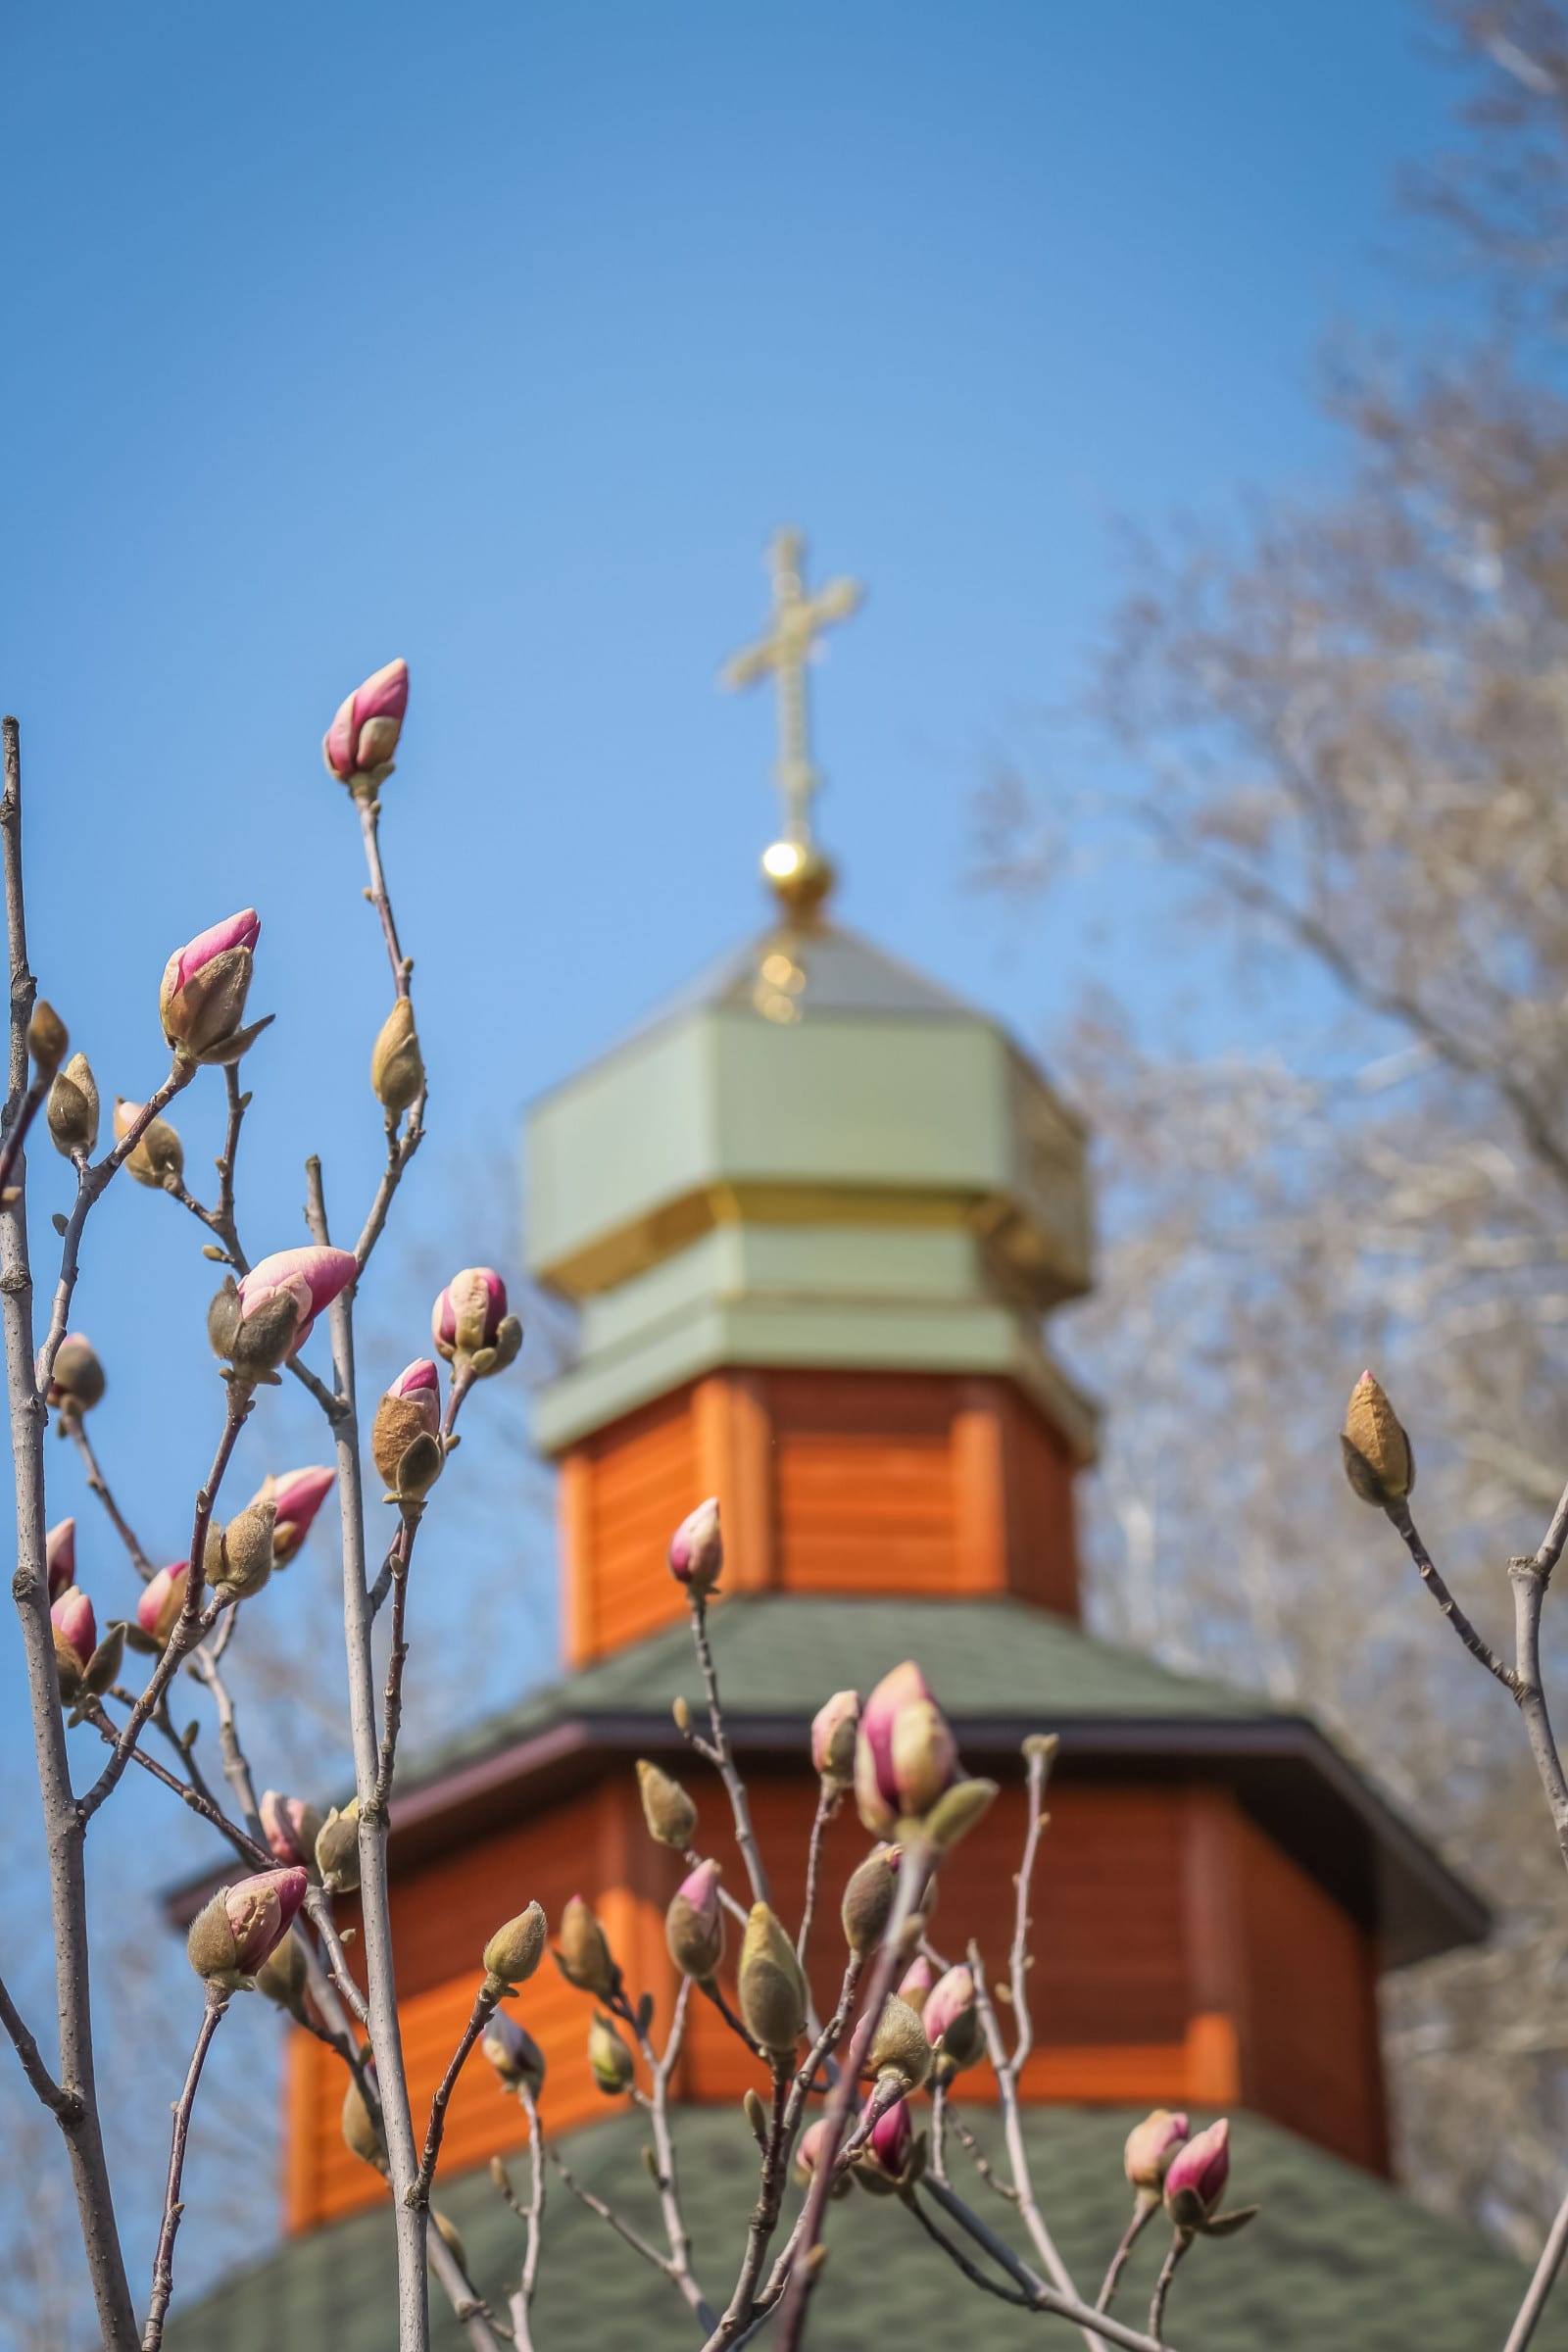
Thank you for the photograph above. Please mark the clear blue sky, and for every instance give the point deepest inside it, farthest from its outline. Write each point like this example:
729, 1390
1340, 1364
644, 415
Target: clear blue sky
501, 337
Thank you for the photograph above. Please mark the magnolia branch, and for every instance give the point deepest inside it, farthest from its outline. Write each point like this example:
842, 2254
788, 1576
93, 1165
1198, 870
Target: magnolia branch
174, 2209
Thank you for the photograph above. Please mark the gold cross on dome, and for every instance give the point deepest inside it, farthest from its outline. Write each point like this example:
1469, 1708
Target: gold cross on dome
794, 865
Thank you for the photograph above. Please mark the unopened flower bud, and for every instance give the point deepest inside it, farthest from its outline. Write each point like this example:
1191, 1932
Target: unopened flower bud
358, 744
513, 2053
955, 1812
885, 2161
76, 1636
833, 1730
47, 1039
1195, 2182
296, 1496
291, 1828
158, 1156
694, 1924
76, 1382
243, 1924
583, 1951
951, 2020
668, 1809
1378, 1459
613, 2064
60, 1556
239, 1556
808, 2154
205, 984
267, 1317
360, 2133
868, 1898
905, 1753
103, 1667
450, 2234
471, 1325
515, 1950
161, 1603
396, 1067
898, 2045
337, 1849
918, 1980
696, 1549
770, 1985
283, 1975
72, 1110
1150, 2146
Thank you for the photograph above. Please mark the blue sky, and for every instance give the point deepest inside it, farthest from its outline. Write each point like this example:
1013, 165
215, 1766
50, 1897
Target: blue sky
502, 338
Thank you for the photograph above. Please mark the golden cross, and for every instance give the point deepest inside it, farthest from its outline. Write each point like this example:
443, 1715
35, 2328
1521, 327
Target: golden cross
794, 864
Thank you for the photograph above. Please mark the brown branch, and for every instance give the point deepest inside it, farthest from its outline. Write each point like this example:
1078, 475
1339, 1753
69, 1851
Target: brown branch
1179, 2242
1045, 2297
1542, 2283
479, 2015
721, 1757
1398, 1516
98, 1485
828, 1804
955, 2253
16, 1134
60, 2103
1143, 2214
174, 2210
519, 2304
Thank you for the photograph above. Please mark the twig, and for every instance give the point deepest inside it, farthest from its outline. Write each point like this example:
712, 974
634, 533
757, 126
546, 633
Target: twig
174, 2210
98, 1485
16, 1134
479, 2015
719, 1756
1179, 2242
60, 2103
1542, 2283
1142, 2213
972, 2270
978, 2157
1399, 1514
519, 2304
1044, 2296
623, 2230
828, 1804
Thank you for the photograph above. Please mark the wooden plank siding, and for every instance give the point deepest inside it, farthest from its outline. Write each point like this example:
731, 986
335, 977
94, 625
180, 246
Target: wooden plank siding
829, 1481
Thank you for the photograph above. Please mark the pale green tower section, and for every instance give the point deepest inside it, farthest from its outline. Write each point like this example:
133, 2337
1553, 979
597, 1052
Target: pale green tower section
814, 1157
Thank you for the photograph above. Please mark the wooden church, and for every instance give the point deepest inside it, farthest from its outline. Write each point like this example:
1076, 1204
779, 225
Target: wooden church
815, 1216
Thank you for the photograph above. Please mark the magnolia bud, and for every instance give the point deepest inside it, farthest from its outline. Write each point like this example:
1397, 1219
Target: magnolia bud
898, 2045
239, 1556
1150, 2146
583, 1953
360, 2133
670, 1814
515, 1950
696, 1549
73, 1108
283, 1977
290, 1827
868, 1898
337, 1849
471, 1325
770, 1985
694, 1924
807, 2152
267, 1317
613, 2066
160, 1605
158, 1156
916, 1981
205, 984
885, 2161
76, 1638
1378, 1459
513, 2053
397, 1069
296, 1496
47, 1039
955, 1812
103, 1667
950, 2022
833, 1731
358, 744
76, 1382
243, 1924
905, 1753
404, 1435
1195, 2177
60, 1556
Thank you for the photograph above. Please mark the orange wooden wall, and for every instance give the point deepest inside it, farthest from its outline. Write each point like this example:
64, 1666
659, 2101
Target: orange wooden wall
1181, 1958
829, 1481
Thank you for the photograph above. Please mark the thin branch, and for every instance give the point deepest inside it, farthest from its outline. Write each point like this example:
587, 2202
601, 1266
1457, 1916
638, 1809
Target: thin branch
519, 2304
16, 1134
979, 2159
719, 1756
828, 1804
972, 2270
174, 2210
479, 2015
1542, 2283
1044, 2296
60, 2103
1142, 2213
1179, 2242
1399, 1514
98, 1485
623, 2230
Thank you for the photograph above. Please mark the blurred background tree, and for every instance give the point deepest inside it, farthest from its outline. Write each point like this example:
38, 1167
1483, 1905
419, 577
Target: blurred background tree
1336, 737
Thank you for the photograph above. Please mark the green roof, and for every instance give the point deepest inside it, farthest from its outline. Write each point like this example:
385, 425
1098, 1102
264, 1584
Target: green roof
1336, 2257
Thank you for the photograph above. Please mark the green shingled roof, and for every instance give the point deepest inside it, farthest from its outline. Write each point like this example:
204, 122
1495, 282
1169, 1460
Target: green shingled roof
779, 1654
1336, 2258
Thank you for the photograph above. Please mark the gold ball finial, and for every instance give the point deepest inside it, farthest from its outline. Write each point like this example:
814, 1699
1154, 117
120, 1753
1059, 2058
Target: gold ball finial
799, 875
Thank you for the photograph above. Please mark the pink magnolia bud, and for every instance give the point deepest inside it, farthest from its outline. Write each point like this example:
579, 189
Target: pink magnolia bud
906, 1754
951, 2016
808, 2147
76, 1633
161, 1601
694, 1924
513, 2053
696, 1549
364, 736
833, 1730
893, 2139
60, 1556
1199, 2170
918, 1979
468, 1313
298, 1494
269, 1316
290, 1827
205, 984
243, 1926
405, 1434
1150, 2146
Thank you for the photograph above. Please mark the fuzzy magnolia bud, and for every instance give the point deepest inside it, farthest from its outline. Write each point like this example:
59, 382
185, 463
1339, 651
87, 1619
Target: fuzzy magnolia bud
358, 744
261, 1321
243, 1926
239, 1556
1195, 2182
694, 1924
396, 1067
78, 1382
515, 1950
898, 2045
868, 1898
291, 1828
406, 1434
360, 2135
917, 1983
1378, 1459
158, 1156
283, 1977
47, 1039
296, 1496
770, 1985
205, 984
613, 2064
696, 1549
513, 2053
337, 1849
955, 1812
905, 1755
161, 1603
471, 1325
668, 1809
808, 2154
583, 1951
950, 2022
1150, 2146
72, 1110
76, 1636
60, 1556
833, 1730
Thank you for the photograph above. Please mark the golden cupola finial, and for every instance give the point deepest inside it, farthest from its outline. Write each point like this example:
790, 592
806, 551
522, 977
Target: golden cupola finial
798, 873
